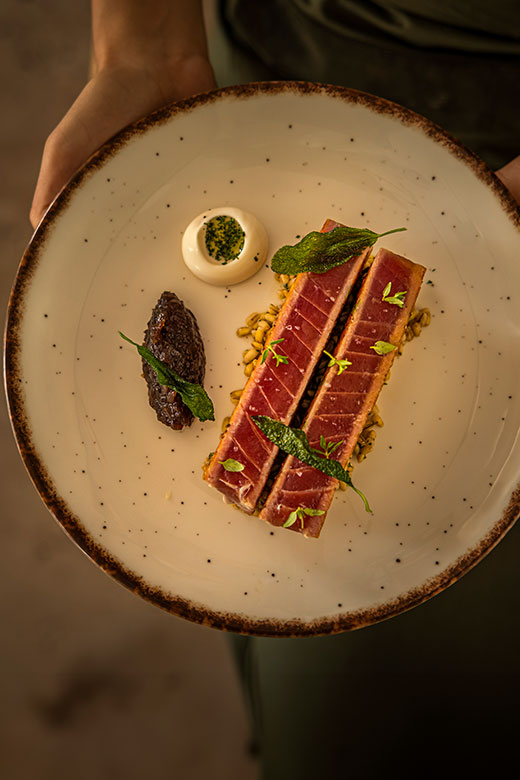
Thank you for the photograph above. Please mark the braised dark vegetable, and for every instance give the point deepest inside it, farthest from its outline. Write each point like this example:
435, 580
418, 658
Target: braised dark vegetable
173, 336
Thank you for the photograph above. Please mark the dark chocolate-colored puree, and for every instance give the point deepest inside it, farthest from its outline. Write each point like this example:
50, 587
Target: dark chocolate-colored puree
173, 336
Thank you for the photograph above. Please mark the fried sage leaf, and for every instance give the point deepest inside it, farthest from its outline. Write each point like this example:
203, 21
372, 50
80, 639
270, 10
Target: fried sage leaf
294, 442
319, 252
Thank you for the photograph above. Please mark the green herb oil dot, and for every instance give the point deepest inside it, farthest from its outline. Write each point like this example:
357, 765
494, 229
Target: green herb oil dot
224, 238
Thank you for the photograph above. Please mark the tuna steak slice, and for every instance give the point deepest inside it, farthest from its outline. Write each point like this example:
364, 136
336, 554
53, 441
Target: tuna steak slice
304, 323
341, 406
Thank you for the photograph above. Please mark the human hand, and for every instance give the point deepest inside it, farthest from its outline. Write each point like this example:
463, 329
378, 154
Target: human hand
510, 175
147, 55
112, 99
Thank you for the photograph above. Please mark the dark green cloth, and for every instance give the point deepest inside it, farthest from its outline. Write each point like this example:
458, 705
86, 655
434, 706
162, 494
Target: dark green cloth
431, 693
460, 25
465, 78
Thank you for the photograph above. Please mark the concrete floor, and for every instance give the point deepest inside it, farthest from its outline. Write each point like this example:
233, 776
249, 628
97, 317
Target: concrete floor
95, 683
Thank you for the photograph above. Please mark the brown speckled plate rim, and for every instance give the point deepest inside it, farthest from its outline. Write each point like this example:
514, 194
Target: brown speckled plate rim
72, 525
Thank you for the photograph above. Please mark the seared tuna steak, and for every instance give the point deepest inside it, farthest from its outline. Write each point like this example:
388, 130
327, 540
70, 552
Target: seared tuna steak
340, 408
275, 387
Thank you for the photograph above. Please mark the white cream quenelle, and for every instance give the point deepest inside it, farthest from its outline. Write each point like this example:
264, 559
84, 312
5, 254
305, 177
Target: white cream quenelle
224, 245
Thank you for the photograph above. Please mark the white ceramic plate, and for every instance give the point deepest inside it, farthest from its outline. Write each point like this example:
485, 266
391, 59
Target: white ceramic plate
443, 478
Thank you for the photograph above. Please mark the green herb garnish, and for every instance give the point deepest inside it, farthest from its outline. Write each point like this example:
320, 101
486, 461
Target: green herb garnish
319, 252
193, 395
294, 442
383, 347
396, 299
224, 238
270, 349
232, 465
341, 363
299, 514
327, 448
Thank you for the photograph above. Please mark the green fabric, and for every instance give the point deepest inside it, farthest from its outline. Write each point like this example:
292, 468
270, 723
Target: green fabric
460, 25
430, 693
471, 89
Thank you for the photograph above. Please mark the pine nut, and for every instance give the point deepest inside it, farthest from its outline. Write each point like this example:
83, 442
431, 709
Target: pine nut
252, 319
249, 355
425, 318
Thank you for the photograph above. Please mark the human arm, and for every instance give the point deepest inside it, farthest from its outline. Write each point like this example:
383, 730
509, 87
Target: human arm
146, 54
510, 175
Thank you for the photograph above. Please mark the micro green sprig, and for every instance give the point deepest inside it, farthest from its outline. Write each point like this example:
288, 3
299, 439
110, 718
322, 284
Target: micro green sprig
397, 299
270, 348
327, 448
383, 347
341, 363
299, 514
230, 464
